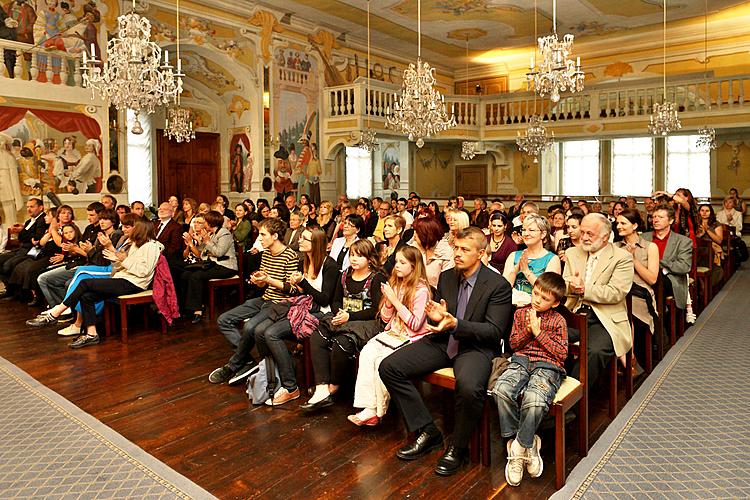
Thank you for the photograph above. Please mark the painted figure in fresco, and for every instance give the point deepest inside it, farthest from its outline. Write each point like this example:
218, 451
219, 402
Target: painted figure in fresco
28, 174
65, 160
300, 168
237, 169
283, 172
8, 31
23, 17
92, 16
248, 173
314, 171
292, 154
10, 189
50, 25
88, 169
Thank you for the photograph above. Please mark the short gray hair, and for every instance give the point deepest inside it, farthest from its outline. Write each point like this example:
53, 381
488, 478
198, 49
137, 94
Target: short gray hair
604, 223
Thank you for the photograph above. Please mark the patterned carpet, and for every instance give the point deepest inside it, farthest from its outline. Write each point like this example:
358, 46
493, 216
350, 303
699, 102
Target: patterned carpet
49, 448
686, 433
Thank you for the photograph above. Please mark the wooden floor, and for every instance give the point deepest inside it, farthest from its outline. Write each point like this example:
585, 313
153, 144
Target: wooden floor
154, 391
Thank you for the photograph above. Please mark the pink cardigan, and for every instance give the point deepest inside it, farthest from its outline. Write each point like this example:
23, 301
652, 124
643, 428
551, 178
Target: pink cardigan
413, 318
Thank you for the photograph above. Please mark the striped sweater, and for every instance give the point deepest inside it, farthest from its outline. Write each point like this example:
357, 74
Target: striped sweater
279, 267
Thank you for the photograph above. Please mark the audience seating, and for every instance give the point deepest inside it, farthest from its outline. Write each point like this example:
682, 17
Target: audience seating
123, 301
704, 274
614, 407
235, 281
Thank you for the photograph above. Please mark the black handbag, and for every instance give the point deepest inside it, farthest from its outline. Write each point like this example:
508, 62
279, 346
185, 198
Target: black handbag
202, 265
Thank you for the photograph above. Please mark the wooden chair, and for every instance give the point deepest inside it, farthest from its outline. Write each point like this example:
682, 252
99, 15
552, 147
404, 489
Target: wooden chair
613, 365
726, 247
235, 281
704, 254
480, 440
572, 391
123, 301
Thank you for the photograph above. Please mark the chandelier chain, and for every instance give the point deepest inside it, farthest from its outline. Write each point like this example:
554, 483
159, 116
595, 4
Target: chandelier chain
664, 118
706, 135
179, 121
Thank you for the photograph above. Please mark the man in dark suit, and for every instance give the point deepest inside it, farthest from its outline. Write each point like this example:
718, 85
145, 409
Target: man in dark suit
471, 319
169, 233
32, 232
291, 238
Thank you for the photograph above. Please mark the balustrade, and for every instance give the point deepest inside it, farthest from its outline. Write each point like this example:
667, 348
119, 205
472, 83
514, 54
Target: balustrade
42, 65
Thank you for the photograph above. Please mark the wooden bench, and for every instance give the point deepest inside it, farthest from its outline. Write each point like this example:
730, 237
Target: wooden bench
235, 281
123, 301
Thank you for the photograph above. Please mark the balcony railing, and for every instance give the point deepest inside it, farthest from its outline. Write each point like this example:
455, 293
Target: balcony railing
43, 65
481, 116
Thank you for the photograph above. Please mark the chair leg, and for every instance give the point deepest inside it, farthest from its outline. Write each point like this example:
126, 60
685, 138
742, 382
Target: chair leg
629, 375
124, 322
486, 442
613, 387
242, 291
649, 352
307, 357
211, 302
672, 325
583, 426
560, 449
163, 324
107, 319
474, 446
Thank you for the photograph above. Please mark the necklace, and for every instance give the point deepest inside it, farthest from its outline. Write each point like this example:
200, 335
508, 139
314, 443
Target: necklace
495, 245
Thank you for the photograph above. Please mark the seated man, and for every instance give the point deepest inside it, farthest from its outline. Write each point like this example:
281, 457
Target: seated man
28, 238
599, 276
675, 254
471, 320
238, 324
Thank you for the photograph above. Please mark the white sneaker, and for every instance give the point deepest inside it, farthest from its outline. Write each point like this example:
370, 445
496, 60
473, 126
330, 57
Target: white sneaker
534, 464
514, 467
69, 331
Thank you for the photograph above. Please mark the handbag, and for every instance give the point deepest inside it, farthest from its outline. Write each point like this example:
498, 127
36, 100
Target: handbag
202, 265
391, 340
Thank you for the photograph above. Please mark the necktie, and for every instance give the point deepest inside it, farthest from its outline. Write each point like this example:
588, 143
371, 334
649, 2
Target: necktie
590, 263
463, 299
161, 226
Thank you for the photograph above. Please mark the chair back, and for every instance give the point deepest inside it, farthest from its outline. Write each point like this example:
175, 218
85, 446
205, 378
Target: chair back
579, 321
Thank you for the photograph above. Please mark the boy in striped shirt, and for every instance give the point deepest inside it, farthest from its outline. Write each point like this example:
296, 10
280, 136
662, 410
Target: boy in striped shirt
277, 264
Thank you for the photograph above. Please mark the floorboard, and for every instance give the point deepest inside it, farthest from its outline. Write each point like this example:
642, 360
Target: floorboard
154, 391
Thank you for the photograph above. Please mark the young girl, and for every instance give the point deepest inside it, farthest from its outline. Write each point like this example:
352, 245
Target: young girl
403, 309
335, 344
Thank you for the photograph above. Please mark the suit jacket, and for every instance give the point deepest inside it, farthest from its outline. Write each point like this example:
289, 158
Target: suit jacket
35, 232
609, 286
676, 264
291, 238
171, 238
489, 312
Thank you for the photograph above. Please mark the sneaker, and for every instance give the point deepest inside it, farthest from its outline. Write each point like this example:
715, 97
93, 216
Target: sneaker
44, 319
514, 467
283, 396
245, 371
534, 464
220, 375
83, 341
69, 330
65, 317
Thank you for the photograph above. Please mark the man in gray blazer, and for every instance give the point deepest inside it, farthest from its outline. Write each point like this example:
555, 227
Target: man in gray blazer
675, 254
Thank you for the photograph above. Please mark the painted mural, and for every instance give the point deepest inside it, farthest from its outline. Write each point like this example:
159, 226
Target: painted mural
298, 167
391, 168
55, 151
241, 162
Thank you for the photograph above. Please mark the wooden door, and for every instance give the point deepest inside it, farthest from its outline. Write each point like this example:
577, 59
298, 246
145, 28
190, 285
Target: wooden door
189, 169
471, 180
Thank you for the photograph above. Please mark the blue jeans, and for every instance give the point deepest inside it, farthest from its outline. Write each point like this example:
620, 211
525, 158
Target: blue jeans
231, 323
250, 314
536, 386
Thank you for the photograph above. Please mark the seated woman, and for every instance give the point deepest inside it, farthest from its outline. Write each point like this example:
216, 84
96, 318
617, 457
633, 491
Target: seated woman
437, 253
133, 273
326, 220
334, 346
242, 226
499, 244
403, 309
218, 260
189, 210
99, 266
710, 230
393, 230
558, 227
317, 281
523, 267
353, 227
646, 266
23, 278
572, 237
457, 219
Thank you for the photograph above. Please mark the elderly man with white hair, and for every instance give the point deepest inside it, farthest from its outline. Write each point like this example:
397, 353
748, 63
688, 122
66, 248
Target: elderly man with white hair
10, 187
89, 168
599, 276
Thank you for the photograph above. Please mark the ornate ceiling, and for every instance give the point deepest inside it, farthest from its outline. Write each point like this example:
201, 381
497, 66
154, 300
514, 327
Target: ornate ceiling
488, 24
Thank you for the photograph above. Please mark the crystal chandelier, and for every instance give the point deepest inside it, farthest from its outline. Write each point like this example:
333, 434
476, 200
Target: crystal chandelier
365, 139
556, 72
134, 76
535, 139
419, 111
664, 119
706, 135
179, 122
468, 150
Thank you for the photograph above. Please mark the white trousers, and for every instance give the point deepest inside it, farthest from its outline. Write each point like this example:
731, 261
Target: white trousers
369, 391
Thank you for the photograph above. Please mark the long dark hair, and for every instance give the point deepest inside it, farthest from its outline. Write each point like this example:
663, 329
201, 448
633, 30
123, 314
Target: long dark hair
364, 248
142, 232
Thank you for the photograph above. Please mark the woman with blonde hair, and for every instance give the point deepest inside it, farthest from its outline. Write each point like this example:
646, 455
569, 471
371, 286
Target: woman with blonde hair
326, 220
402, 307
457, 220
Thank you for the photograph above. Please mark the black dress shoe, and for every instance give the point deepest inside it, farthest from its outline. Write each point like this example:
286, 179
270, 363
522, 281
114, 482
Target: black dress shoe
197, 318
451, 462
421, 446
323, 403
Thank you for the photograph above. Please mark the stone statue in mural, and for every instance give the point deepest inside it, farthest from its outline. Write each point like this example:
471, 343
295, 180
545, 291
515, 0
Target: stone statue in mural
88, 169
283, 172
10, 188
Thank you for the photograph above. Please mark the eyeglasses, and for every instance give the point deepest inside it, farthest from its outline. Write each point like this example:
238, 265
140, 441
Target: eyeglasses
348, 224
302, 238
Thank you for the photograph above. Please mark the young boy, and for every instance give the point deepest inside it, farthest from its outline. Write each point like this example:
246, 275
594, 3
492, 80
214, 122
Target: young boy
539, 340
